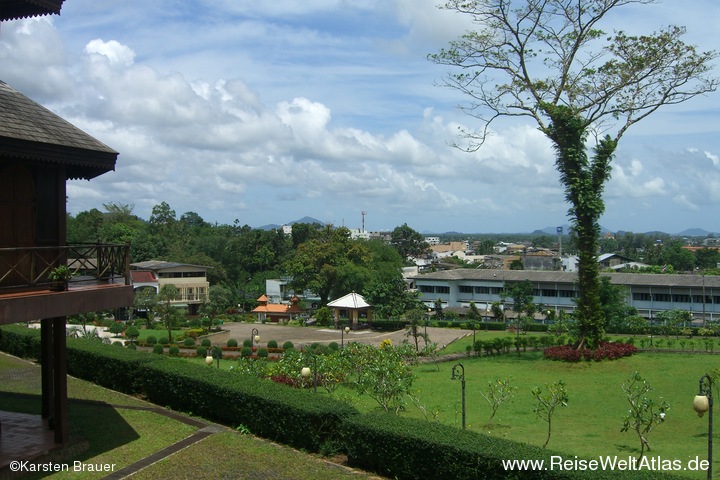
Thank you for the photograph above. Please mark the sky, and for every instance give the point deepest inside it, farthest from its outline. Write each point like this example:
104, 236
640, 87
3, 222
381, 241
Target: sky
267, 112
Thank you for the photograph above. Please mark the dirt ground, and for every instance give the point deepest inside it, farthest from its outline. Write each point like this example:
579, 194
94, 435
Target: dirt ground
324, 335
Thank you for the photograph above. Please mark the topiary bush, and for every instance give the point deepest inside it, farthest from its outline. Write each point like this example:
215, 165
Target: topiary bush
246, 352
333, 346
189, 342
205, 342
158, 348
262, 352
272, 344
247, 343
232, 343
164, 341
151, 340
201, 352
288, 345
174, 351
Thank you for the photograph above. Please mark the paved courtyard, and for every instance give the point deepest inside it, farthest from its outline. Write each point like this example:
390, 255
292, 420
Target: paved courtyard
324, 335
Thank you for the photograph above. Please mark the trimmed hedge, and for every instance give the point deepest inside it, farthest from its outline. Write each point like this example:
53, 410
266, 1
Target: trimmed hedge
20, 341
406, 448
291, 416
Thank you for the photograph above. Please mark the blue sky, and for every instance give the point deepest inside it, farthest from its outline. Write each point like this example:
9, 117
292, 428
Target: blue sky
266, 112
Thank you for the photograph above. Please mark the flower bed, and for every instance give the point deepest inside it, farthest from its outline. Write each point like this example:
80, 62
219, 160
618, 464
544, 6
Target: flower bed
605, 351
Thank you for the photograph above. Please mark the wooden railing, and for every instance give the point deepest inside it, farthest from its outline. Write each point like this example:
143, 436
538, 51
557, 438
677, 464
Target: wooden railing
31, 266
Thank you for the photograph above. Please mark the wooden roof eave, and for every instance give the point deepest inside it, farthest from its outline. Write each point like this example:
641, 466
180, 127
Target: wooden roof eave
17, 9
80, 163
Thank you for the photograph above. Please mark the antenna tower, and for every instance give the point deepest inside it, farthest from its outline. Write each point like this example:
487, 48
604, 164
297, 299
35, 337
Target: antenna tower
363, 213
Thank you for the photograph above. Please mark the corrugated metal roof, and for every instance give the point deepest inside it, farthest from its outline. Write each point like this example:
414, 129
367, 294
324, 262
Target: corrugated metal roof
29, 131
636, 279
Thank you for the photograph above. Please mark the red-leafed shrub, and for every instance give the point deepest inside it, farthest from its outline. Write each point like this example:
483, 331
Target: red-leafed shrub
285, 380
604, 351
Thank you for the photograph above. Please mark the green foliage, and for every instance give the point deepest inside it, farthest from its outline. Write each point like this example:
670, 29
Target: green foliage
189, 342
323, 316
201, 352
498, 392
288, 345
262, 352
405, 448
158, 348
547, 399
163, 341
174, 351
382, 374
205, 342
645, 413
294, 417
246, 352
232, 343
151, 340
116, 328
272, 344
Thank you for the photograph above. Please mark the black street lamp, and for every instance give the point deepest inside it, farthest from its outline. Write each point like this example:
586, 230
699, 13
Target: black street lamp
702, 403
343, 332
460, 375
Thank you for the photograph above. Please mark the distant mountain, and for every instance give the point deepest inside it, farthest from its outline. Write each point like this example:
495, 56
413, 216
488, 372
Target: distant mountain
274, 226
694, 232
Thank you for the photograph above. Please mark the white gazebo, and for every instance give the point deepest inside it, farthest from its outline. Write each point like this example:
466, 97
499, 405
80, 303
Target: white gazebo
352, 306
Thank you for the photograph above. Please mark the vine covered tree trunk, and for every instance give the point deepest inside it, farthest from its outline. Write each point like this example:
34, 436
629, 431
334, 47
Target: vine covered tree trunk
584, 180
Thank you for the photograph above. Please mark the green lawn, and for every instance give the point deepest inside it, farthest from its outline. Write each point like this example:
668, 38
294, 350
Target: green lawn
122, 436
590, 425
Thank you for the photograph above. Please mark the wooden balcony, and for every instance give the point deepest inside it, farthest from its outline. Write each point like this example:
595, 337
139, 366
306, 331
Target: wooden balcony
102, 281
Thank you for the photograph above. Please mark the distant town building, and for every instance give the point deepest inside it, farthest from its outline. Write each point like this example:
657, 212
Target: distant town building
191, 280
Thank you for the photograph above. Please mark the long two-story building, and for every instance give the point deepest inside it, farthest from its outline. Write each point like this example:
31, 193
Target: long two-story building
648, 293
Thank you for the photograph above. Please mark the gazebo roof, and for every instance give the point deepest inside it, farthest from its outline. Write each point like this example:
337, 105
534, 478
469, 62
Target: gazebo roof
351, 300
31, 132
15, 9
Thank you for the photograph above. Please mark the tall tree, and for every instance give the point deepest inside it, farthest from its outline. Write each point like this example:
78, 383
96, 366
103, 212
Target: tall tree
546, 60
408, 242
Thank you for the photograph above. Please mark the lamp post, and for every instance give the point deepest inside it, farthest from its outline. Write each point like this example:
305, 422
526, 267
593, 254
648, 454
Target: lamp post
343, 332
458, 373
305, 372
213, 354
702, 403
254, 337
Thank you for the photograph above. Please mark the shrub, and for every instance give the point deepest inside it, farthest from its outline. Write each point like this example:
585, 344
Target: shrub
246, 352
262, 352
247, 343
288, 345
117, 343
272, 344
205, 342
201, 352
151, 340
174, 351
232, 343
189, 342
164, 341
604, 351
132, 346
158, 348
332, 346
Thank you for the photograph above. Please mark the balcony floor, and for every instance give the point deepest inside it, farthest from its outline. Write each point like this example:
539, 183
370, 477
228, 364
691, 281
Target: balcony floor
24, 437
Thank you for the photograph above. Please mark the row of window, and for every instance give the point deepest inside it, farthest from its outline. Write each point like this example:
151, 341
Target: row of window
676, 298
180, 274
470, 290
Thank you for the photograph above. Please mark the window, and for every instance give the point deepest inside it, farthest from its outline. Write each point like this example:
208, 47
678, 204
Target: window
482, 290
466, 289
442, 289
641, 297
681, 298
566, 293
549, 293
662, 297
426, 289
